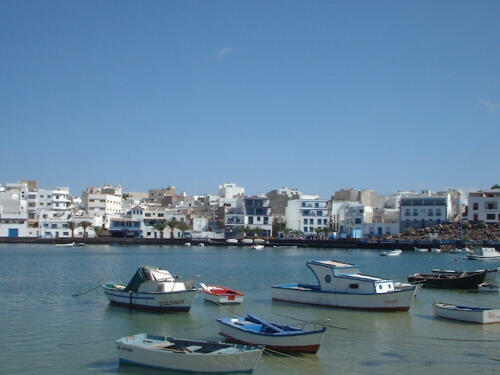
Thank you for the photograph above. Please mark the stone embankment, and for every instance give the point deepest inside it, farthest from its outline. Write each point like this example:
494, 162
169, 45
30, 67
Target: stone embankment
450, 232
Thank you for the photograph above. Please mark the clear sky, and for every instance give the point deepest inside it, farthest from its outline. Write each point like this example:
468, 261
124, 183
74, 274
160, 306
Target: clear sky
315, 95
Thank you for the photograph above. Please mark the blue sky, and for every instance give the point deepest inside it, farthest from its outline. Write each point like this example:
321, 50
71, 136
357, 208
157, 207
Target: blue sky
314, 95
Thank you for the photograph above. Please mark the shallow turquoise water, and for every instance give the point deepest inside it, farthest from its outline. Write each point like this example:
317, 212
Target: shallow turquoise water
48, 331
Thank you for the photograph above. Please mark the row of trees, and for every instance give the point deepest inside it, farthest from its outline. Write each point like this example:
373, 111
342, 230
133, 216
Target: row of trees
72, 225
173, 223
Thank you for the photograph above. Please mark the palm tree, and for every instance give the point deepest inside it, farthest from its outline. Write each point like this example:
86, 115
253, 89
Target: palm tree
326, 231
72, 226
246, 230
160, 226
183, 227
85, 225
318, 231
287, 231
172, 224
98, 230
257, 231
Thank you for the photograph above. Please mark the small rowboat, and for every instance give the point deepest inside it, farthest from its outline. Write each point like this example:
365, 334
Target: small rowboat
467, 314
69, 244
221, 295
257, 247
255, 331
420, 249
187, 355
487, 287
392, 253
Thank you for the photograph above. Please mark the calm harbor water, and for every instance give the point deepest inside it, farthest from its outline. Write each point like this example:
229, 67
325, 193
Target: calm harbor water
46, 330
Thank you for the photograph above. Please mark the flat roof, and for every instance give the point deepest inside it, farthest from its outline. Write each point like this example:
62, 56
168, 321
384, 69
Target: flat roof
332, 263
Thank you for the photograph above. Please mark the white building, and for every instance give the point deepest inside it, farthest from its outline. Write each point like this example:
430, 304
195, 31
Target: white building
230, 190
258, 214
13, 216
104, 202
424, 210
306, 215
54, 224
57, 199
484, 206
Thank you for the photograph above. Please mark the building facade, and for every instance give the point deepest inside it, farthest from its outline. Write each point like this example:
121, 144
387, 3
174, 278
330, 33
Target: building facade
424, 210
484, 206
307, 215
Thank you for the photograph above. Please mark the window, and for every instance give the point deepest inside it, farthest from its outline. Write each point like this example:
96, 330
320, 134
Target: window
65, 233
250, 220
319, 221
357, 220
407, 212
303, 204
430, 212
305, 229
305, 221
415, 212
490, 216
354, 286
316, 204
258, 218
328, 279
311, 229
147, 214
311, 221
438, 212
319, 213
475, 206
325, 221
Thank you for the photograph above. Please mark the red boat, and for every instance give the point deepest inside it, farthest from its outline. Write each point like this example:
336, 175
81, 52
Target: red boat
221, 295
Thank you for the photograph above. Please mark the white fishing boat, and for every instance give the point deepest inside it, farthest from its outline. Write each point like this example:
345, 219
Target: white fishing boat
232, 241
221, 295
341, 285
257, 247
485, 253
187, 355
69, 244
259, 241
246, 241
487, 287
255, 331
153, 289
392, 253
479, 315
420, 249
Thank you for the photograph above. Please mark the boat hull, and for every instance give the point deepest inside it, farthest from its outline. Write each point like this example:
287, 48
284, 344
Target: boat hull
399, 300
223, 299
472, 315
306, 343
242, 362
171, 301
449, 281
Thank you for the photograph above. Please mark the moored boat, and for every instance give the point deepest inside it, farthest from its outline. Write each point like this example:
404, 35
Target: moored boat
487, 287
485, 253
341, 285
246, 241
392, 253
465, 280
153, 289
231, 241
254, 331
221, 295
479, 315
420, 249
257, 247
491, 274
435, 250
187, 355
69, 244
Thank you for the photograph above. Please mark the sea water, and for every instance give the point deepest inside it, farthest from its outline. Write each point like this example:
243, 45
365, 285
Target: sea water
46, 329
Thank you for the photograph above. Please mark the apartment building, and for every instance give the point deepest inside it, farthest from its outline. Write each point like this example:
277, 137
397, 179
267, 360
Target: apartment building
484, 206
306, 215
424, 210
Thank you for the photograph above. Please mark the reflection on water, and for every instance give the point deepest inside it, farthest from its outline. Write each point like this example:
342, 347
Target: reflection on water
76, 334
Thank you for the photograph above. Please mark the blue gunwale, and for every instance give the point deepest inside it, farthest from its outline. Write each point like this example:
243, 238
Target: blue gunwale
227, 322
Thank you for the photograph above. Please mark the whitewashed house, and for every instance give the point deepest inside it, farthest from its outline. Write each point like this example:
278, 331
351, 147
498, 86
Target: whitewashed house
484, 206
306, 215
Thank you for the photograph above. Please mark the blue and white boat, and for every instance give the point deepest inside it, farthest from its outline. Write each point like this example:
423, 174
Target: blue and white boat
152, 288
254, 331
342, 285
187, 355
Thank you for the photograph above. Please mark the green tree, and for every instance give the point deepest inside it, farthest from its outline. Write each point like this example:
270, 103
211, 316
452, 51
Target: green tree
286, 231
72, 226
172, 224
326, 232
496, 186
246, 230
98, 230
160, 227
183, 227
257, 231
318, 231
85, 224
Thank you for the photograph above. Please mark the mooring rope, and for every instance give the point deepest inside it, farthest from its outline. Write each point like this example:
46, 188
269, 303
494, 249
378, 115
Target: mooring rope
86, 291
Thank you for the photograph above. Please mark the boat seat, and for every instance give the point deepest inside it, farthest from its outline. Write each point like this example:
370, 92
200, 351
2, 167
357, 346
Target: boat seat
270, 327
